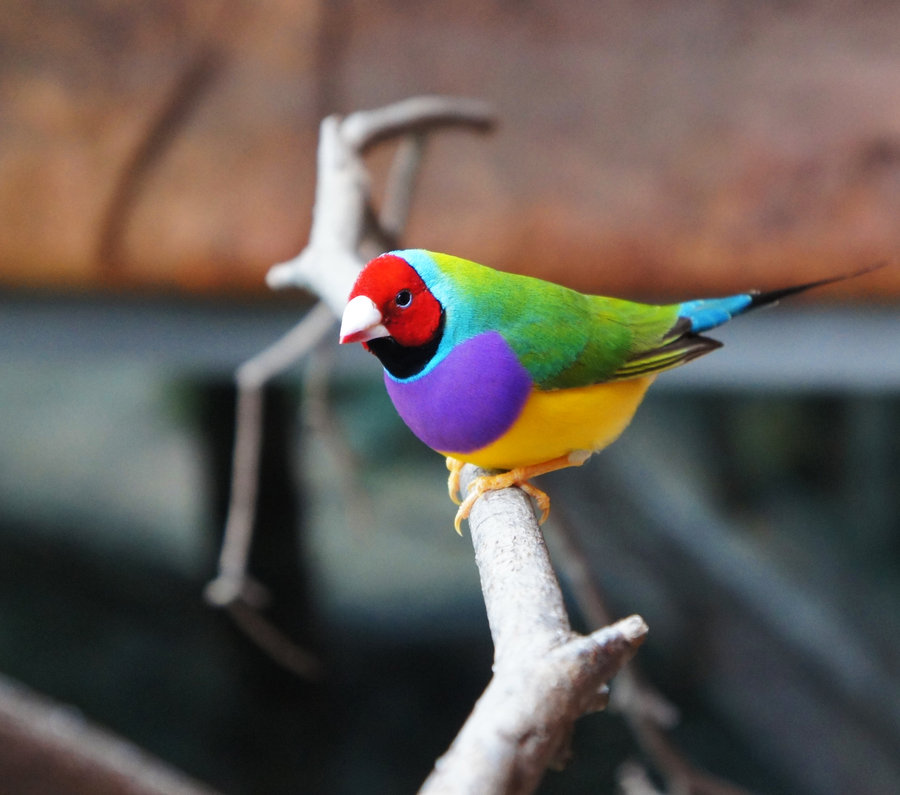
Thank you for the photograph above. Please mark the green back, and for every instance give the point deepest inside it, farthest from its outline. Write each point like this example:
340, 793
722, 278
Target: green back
562, 337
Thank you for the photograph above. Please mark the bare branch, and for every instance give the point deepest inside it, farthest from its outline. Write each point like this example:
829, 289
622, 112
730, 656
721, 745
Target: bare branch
646, 711
197, 78
400, 184
232, 582
45, 747
364, 129
545, 675
319, 419
274, 642
327, 267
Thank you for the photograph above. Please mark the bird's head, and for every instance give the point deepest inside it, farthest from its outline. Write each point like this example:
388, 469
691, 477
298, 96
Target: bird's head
390, 300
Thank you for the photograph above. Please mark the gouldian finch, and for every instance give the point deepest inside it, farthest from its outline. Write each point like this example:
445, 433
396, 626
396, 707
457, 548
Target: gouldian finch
514, 373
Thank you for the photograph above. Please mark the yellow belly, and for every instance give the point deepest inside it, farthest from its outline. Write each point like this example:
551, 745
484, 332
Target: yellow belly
558, 422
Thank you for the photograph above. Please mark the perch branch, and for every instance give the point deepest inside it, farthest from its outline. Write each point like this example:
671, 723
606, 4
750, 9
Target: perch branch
545, 675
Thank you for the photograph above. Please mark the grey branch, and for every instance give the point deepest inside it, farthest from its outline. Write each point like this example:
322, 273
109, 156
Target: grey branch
341, 224
648, 714
545, 675
344, 231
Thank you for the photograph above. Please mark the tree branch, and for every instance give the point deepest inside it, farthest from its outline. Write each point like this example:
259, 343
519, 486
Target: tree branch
328, 266
344, 226
545, 675
648, 714
45, 747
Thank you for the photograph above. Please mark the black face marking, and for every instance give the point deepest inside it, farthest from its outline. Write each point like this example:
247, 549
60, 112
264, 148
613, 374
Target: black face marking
403, 361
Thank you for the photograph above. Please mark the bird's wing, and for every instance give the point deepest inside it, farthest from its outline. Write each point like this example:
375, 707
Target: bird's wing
567, 339
678, 347
582, 340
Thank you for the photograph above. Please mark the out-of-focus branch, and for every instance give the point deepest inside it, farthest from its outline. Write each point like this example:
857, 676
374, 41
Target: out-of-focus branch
185, 96
342, 228
345, 230
45, 747
648, 714
545, 675
232, 582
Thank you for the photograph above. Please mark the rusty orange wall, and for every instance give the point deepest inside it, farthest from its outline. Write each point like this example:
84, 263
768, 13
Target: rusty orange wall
643, 148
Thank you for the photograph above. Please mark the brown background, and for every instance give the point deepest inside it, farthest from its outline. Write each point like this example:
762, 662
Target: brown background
665, 148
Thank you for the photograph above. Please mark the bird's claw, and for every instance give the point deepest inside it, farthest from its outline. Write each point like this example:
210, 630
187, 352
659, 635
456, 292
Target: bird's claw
455, 466
503, 480
465, 508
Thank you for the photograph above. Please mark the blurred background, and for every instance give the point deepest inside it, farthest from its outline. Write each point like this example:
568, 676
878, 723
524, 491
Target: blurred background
157, 157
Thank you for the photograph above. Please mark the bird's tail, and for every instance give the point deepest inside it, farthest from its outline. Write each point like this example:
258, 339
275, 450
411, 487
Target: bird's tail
707, 313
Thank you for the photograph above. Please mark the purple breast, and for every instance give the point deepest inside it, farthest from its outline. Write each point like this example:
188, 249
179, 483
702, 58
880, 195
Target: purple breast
468, 400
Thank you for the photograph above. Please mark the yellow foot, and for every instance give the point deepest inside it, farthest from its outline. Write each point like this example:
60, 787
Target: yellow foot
504, 480
455, 466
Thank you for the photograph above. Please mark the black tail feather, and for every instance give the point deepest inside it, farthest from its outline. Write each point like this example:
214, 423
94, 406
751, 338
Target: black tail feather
771, 296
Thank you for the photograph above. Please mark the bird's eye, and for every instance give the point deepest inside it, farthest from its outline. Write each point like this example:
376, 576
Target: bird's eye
403, 299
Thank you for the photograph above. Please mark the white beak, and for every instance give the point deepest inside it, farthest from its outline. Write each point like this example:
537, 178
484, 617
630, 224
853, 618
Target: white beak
362, 321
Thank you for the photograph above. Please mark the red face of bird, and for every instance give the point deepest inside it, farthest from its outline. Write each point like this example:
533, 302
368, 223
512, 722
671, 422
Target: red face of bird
390, 299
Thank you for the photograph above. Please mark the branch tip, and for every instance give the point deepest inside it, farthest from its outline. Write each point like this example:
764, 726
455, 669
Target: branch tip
365, 128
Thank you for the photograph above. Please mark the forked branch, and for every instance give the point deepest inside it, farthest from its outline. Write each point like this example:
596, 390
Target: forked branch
344, 227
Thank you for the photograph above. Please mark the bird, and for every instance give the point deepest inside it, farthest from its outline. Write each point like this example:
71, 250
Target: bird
514, 373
